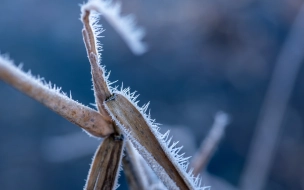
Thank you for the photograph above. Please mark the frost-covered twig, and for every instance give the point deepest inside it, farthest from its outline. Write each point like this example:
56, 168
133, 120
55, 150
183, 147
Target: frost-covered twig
153, 180
124, 25
164, 158
103, 173
101, 89
53, 98
128, 119
156, 148
106, 164
265, 139
133, 169
210, 144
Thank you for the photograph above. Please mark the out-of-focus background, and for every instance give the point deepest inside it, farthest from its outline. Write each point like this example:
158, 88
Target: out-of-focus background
204, 56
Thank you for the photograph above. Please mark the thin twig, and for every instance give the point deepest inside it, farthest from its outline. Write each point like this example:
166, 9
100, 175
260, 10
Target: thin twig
101, 89
210, 143
265, 139
133, 169
83, 116
107, 170
140, 134
152, 179
104, 170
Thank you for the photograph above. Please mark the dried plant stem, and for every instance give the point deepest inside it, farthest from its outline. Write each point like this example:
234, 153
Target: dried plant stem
133, 169
83, 116
138, 173
171, 168
265, 139
152, 178
100, 86
209, 145
129, 117
101, 89
109, 155
104, 170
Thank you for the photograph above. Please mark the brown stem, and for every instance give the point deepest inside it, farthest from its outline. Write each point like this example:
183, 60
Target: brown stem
85, 117
209, 145
136, 177
103, 173
133, 121
101, 89
100, 86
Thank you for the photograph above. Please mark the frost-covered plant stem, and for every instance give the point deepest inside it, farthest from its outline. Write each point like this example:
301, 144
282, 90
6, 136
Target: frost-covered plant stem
210, 143
120, 115
101, 89
105, 166
156, 148
134, 169
107, 160
51, 97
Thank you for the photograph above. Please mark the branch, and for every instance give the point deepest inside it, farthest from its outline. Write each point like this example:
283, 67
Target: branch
156, 148
83, 116
209, 145
104, 170
101, 89
163, 157
133, 169
105, 167
265, 139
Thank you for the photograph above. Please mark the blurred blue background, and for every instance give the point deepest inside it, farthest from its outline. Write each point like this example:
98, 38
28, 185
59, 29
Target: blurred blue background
204, 56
